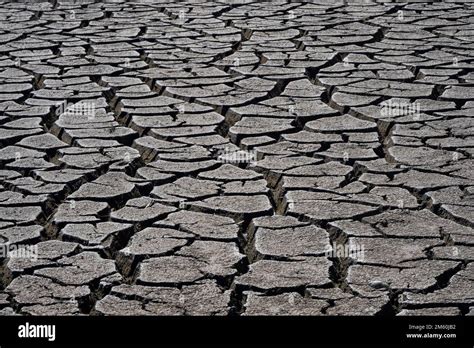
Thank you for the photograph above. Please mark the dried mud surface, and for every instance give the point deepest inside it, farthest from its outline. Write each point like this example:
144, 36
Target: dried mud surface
204, 158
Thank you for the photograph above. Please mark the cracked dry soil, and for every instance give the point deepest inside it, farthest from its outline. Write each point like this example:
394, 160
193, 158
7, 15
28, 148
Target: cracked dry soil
236, 158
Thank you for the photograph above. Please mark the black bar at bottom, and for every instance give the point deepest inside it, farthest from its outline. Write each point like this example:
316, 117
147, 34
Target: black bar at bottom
291, 331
